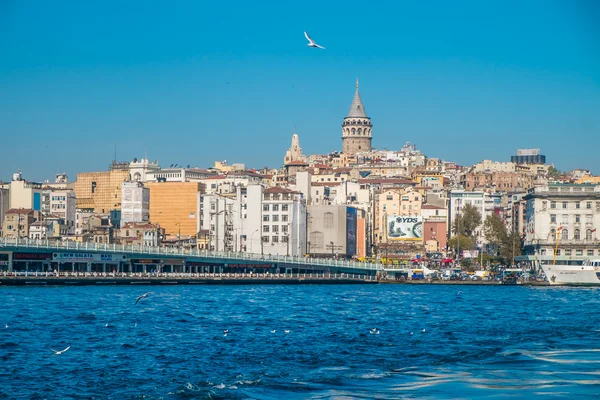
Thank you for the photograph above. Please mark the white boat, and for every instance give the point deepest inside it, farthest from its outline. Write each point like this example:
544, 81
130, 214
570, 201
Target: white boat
587, 274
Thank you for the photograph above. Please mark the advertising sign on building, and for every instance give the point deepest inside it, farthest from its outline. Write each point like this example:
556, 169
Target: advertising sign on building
88, 257
470, 253
405, 227
351, 231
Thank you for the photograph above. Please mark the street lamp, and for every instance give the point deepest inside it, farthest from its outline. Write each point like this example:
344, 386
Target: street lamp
332, 250
252, 240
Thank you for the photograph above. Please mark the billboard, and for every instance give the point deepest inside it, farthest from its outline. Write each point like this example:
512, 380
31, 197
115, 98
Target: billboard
88, 257
350, 231
405, 227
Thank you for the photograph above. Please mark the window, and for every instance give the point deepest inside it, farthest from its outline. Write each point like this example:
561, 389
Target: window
265, 207
284, 207
285, 239
567, 252
328, 220
579, 252
577, 218
275, 207
588, 234
212, 227
275, 218
213, 206
553, 234
316, 240
275, 228
577, 205
93, 187
588, 205
265, 239
564, 204
275, 239
576, 234
590, 252
265, 218
389, 197
558, 252
284, 218
284, 228
565, 234
552, 218
552, 204
265, 228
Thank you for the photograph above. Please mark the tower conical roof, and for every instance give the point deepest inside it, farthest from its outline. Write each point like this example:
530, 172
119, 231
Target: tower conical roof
357, 109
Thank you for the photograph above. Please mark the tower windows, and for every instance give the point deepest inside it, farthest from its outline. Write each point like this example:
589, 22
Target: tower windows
359, 131
353, 131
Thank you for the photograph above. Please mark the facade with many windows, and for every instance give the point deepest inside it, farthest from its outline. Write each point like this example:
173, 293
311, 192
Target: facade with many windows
561, 223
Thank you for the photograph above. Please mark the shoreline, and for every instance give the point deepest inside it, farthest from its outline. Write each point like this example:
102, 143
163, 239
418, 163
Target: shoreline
159, 281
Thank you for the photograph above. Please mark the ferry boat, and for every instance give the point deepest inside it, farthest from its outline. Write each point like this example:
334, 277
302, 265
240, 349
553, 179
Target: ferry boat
587, 274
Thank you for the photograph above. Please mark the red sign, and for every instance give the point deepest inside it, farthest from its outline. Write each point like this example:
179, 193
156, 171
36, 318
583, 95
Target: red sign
32, 256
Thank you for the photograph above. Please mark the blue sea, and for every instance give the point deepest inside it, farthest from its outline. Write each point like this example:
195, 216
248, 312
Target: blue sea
433, 342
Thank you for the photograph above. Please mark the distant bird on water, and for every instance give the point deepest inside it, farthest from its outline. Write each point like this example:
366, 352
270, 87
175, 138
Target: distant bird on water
286, 331
60, 352
274, 331
311, 43
142, 297
374, 331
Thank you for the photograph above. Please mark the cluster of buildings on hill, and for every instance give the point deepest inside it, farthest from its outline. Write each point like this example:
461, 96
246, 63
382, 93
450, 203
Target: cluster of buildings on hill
359, 202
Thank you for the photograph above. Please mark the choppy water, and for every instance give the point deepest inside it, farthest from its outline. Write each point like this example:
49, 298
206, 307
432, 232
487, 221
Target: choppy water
433, 343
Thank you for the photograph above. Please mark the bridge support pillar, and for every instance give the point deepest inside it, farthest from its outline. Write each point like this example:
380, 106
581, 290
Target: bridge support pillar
26, 266
103, 267
88, 267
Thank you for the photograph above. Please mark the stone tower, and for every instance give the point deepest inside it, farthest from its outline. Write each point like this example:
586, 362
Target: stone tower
356, 128
294, 153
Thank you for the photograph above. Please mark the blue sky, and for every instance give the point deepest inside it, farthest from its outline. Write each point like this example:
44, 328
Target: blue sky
193, 82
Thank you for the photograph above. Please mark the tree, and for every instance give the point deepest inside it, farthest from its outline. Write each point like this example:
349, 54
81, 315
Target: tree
466, 220
461, 242
512, 246
553, 172
494, 231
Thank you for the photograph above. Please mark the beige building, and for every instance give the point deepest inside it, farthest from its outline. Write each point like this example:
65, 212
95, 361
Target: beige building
18, 221
175, 206
24, 194
101, 191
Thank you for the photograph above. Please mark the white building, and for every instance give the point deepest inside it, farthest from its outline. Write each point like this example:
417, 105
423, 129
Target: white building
63, 204
486, 203
135, 202
142, 170
255, 220
24, 194
563, 214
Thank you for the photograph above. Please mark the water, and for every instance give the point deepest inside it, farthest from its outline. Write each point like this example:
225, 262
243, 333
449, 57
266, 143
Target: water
488, 342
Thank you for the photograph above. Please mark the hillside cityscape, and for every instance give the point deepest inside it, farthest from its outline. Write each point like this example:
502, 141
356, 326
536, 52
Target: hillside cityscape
393, 206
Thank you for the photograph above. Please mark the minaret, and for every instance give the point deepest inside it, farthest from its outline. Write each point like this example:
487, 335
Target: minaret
356, 128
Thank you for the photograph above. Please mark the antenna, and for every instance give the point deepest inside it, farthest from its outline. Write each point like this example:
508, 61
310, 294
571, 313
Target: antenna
146, 152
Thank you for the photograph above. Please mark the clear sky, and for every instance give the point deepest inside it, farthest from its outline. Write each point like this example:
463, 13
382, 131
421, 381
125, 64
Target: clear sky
191, 82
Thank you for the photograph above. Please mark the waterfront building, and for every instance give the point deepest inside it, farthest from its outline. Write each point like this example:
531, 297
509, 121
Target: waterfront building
101, 191
566, 215
62, 204
4, 202
333, 231
356, 127
139, 234
487, 203
18, 221
135, 203
175, 206
24, 194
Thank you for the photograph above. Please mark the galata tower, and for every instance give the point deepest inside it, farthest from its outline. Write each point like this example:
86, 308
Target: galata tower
356, 128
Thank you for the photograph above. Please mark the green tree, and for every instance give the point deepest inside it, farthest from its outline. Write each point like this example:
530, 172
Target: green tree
553, 172
466, 220
494, 231
460, 243
512, 246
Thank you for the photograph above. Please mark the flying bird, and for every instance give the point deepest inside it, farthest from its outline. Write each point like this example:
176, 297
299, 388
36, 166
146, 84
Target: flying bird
311, 43
60, 352
142, 297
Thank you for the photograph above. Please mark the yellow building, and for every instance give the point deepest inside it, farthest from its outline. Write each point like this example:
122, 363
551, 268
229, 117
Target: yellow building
100, 190
174, 206
589, 179
392, 202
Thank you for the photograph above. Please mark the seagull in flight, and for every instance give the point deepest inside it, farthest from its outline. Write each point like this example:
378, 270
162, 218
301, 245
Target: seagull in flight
142, 297
60, 352
311, 43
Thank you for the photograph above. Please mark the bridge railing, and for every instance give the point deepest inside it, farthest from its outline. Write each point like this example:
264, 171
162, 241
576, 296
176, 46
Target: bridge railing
187, 253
